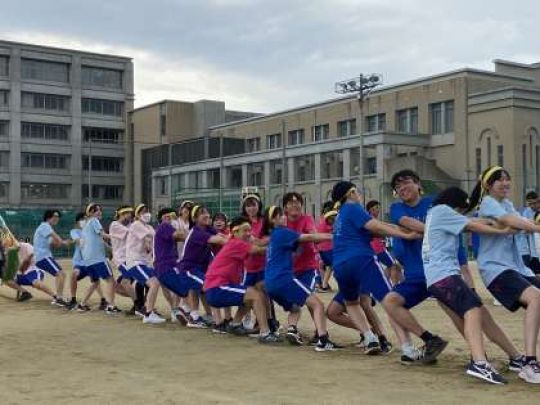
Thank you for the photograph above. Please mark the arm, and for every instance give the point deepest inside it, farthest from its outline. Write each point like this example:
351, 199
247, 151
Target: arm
217, 240
480, 227
25, 264
257, 250
519, 223
57, 241
467, 276
382, 228
104, 235
412, 224
314, 237
179, 236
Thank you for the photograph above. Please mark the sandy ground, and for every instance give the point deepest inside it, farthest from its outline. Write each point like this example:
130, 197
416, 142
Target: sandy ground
52, 356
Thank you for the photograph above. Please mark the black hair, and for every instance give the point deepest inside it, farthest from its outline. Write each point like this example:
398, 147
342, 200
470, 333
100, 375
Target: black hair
371, 204
327, 206
402, 174
476, 195
116, 215
163, 211
51, 213
79, 216
219, 215
531, 195
259, 203
454, 197
267, 221
237, 221
291, 196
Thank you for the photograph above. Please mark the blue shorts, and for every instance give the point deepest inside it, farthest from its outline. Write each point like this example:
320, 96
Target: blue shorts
453, 292
326, 257
308, 278
30, 277
231, 295
507, 288
49, 265
123, 270
83, 272
141, 273
251, 279
535, 281
176, 281
99, 271
289, 294
413, 292
386, 258
359, 275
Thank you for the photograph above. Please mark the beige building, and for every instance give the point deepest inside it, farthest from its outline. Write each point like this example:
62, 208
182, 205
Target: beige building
448, 127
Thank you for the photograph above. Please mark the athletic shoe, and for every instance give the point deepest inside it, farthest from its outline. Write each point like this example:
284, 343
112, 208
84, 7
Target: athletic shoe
174, 312
497, 303
517, 364
24, 296
72, 305
386, 347
326, 345
237, 330
273, 324
140, 312
220, 329
249, 321
59, 302
153, 318
484, 371
208, 320
131, 311
433, 348
196, 324
314, 340
372, 348
269, 338
414, 357
294, 337
182, 317
103, 304
83, 308
531, 373
112, 310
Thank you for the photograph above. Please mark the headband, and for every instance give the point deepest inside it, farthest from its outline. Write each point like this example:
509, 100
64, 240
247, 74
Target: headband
138, 209
271, 211
484, 178
330, 214
248, 196
124, 210
337, 205
186, 202
194, 211
238, 227
89, 208
349, 191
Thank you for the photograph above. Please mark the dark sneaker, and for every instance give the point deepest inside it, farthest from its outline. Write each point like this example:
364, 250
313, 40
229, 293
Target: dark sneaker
24, 296
314, 340
326, 345
273, 325
220, 329
433, 348
103, 304
182, 317
294, 337
83, 308
386, 347
484, 371
112, 310
269, 338
237, 330
196, 324
517, 364
59, 302
140, 311
72, 305
372, 348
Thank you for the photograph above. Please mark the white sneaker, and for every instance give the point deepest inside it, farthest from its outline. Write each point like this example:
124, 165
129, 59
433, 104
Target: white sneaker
531, 373
174, 313
248, 322
153, 318
496, 303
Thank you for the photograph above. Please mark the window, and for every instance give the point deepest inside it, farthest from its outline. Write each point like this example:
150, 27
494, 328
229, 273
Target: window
255, 174
273, 141
524, 162
235, 177
178, 182
162, 186
4, 99
4, 66
478, 161
441, 117
103, 135
346, 128
488, 147
4, 190
34, 130
162, 125
276, 172
195, 180
44, 191
376, 122
47, 102
4, 128
332, 165
500, 155
44, 161
42, 70
407, 120
102, 107
104, 164
253, 144
101, 77
304, 168
214, 178
296, 137
320, 132
4, 160
103, 192
371, 165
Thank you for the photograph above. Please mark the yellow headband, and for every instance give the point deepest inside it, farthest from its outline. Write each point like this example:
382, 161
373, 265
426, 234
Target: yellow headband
271, 211
186, 202
138, 208
89, 208
254, 196
353, 188
537, 217
241, 226
337, 205
330, 214
194, 211
124, 210
484, 179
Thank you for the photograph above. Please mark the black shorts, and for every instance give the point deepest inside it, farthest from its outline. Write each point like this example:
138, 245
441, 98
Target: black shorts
453, 292
535, 281
507, 288
534, 265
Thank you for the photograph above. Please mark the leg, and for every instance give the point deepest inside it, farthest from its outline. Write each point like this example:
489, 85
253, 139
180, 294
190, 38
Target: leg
73, 282
473, 334
257, 300
371, 315
39, 285
153, 289
497, 335
317, 313
60, 280
531, 298
338, 314
395, 307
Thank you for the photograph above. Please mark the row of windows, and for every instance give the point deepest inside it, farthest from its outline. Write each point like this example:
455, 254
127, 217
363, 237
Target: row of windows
49, 102
45, 191
59, 161
102, 107
103, 192
36, 130
104, 164
49, 71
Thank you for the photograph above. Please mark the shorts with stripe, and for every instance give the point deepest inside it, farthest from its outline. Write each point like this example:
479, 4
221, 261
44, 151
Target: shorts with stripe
100, 271
83, 272
308, 278
49, 265
385, 258
361, 275
251, 279
289, 294
413, 291
123, 270
231, 295
141, 273
30, 277
176, 281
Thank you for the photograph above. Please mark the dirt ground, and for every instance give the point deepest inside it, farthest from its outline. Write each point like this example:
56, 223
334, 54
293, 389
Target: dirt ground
52, 356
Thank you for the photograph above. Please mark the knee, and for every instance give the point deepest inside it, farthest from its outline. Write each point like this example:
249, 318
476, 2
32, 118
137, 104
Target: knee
392, 300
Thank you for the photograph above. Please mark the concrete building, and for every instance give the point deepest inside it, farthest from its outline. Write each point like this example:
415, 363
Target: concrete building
61, 112
448, 127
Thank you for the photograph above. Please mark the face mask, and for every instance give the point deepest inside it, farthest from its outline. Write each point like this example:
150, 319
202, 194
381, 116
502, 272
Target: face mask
82, 223
146, 218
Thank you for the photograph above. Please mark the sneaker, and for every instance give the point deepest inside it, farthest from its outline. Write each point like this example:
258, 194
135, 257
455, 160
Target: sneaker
497, 303
182, 317
326, 345
237, 330
24, 296
131, 311
208, 320
103, 304
372, 348
386, 347
59, 302
153, 318
196, 324
174, 313
294, 337
531, 373
140, 312
314, 340
220, 329
362, 343
112, 310
83, 308
517, 364
72, 305
413, 357
273, 324
484, 371
433, 348
249, 321
269, 338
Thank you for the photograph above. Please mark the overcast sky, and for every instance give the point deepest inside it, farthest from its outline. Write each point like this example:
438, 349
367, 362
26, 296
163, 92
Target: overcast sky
269, 55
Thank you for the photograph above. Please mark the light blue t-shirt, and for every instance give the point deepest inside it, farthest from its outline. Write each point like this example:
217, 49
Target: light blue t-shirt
42, 241
498, 253
441, 243
531, 245
93, 246
76, 235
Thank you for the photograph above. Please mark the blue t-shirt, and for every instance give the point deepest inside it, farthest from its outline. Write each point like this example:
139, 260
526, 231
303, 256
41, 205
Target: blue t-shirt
351, 239
76, 235
409, 252
42, 241
441, 243
498, 253
279, 256
93, 246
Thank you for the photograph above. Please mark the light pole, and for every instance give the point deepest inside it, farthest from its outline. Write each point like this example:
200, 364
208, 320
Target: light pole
361, 86
90, 170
